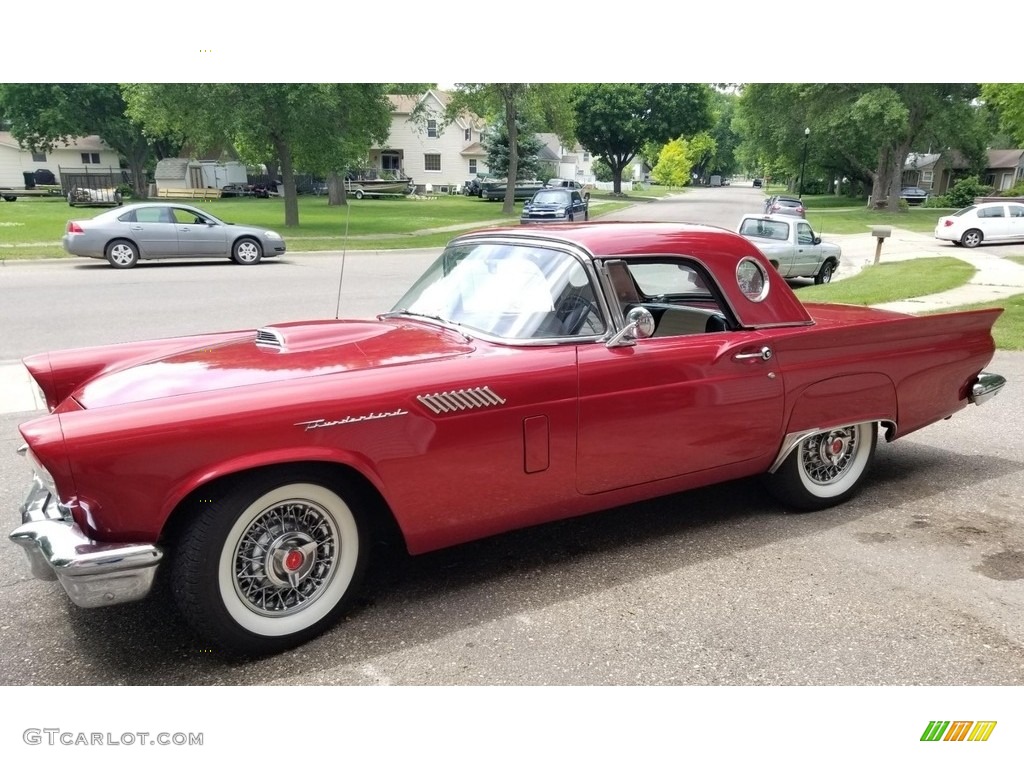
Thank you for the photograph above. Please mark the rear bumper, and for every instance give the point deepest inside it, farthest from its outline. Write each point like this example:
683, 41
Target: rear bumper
986, 387
93, 574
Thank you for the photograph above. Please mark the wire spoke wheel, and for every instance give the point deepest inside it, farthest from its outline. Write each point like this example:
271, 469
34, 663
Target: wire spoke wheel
825, 468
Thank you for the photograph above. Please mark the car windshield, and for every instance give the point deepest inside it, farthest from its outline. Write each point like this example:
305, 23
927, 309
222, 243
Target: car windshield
773, 230
508, 291
551, 196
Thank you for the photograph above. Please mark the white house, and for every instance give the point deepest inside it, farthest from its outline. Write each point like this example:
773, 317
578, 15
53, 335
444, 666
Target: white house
574, 163
80, 154
423, 149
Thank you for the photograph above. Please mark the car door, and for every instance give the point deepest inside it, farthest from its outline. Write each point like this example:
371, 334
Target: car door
198, 235
807, 254
579, 209
1016, 221
671, 405
994, 223
154, 230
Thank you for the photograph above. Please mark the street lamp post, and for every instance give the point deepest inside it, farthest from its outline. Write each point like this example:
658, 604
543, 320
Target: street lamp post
803, 162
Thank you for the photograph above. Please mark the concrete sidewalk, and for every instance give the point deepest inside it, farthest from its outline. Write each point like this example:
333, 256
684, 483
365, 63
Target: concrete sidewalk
996, 277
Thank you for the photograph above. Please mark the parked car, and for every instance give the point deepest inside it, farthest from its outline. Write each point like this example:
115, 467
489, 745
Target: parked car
555, 205
584, 190
530, 375
791, 246
167, 231
787, 206
756, 183
982, 223
914, 195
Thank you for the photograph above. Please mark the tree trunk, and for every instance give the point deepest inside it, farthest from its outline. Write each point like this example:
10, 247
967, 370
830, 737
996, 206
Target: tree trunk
291, 199
508, 207
335, 189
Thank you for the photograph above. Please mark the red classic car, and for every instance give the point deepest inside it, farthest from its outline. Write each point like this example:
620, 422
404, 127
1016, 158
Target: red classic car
529, 375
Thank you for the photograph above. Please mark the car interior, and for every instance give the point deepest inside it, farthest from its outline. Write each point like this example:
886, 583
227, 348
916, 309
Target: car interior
683, 305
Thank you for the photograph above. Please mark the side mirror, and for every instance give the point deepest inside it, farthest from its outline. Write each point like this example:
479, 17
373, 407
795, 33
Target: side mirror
639, 325
816, 240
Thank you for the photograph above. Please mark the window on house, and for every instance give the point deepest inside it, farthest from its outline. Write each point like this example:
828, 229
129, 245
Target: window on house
38, 157
927, 177
390, 162
432, 162
472, 167
90, 157
469, 134
432, 129
586, 157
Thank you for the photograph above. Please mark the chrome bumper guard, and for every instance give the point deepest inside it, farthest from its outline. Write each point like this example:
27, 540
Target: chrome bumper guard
92, 574
986, 387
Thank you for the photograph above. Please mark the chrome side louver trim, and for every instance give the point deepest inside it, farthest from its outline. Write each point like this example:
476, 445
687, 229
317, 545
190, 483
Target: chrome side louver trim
461, 400
269, 339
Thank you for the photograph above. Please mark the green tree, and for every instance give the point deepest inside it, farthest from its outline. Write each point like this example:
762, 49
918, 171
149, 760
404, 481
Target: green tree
864, 130
673, 167
319, 126
616, 120
496, 142
43, 115
1008, 101
543, 104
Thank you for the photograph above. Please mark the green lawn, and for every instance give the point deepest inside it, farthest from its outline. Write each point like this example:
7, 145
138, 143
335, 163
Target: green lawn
32, 228
895, 281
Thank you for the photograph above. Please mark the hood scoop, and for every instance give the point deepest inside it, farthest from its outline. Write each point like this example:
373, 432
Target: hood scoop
304, 337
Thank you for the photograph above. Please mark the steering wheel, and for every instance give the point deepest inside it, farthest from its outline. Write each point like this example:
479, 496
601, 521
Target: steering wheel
573, 311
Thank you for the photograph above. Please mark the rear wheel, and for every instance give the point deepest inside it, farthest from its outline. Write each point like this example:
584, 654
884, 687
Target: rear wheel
825, 273
826, 468
359, 194
122, 254
271, 564
971, 238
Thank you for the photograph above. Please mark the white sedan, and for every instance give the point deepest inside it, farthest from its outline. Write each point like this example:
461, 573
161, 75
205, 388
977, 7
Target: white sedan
983, 222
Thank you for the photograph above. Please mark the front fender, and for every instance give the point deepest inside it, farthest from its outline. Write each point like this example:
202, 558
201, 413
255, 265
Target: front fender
292, 455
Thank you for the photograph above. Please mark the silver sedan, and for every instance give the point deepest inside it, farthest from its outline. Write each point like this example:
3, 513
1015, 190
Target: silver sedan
163, 230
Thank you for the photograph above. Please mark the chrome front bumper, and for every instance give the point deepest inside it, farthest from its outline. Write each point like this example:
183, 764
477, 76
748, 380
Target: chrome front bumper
986, 387
92, 574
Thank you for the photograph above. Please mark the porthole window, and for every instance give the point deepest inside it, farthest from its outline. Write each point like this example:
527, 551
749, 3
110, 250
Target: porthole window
752, 280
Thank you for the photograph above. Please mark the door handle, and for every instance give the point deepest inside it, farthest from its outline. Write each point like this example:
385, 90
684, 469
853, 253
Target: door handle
185, 229
136, 229
765, 353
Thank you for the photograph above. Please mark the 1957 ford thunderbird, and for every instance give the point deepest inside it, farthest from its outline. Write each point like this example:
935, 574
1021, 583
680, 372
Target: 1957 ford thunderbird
529, 375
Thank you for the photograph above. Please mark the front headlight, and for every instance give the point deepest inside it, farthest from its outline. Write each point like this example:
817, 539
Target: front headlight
272, 235
562, 211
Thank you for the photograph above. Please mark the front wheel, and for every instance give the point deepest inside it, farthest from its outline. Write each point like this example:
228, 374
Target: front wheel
247, 251
826, 468
825, 273
972, 238
270, 565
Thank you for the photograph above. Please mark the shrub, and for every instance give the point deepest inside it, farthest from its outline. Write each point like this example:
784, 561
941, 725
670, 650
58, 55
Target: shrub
1017, 190
964, 191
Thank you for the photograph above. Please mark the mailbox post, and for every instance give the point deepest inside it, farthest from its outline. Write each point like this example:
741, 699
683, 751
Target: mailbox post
880, 233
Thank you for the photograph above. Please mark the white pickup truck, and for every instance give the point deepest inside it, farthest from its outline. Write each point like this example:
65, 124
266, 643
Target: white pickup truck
791, 246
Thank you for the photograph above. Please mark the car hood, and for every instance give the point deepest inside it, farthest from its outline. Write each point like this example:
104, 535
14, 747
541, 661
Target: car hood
273, 354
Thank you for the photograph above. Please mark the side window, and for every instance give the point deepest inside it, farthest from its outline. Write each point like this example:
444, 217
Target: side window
576, 199
1016, 211
804, 235
675, 291
153, 215
991, 213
